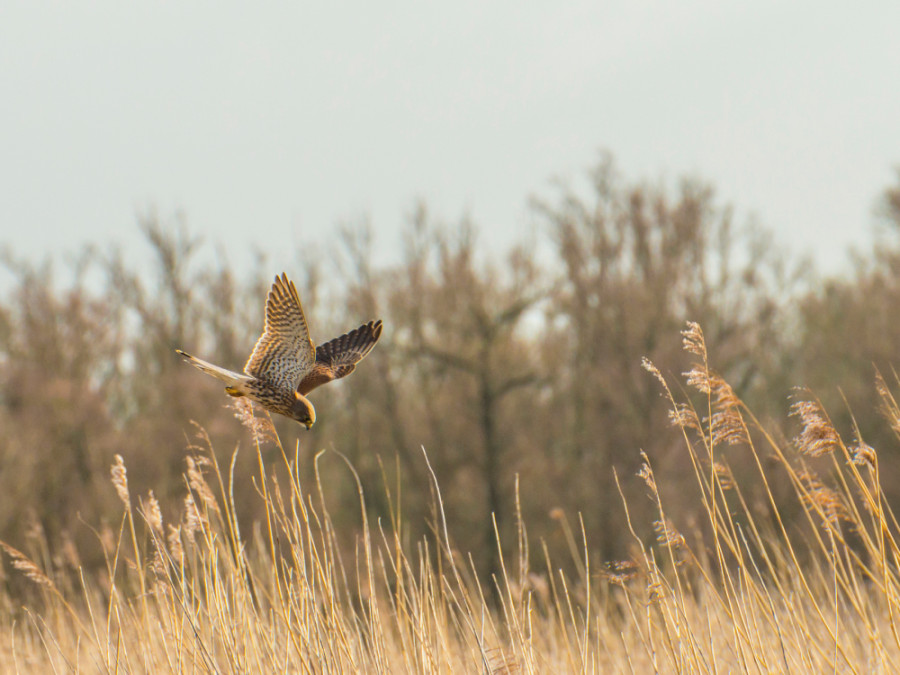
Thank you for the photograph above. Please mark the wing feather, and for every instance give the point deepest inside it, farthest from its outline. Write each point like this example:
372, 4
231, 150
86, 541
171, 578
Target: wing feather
284, 353
337, 358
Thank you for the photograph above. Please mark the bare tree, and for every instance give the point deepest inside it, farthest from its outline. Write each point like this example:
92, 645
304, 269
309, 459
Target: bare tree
464, 319
638, 263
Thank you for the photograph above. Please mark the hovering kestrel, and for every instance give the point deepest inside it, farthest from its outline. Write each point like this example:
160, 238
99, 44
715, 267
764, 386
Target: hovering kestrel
285, 364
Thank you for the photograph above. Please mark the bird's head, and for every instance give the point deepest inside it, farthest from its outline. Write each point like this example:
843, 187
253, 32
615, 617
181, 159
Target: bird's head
303, 410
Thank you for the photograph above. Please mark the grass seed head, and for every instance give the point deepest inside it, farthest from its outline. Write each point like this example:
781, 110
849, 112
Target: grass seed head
620, 571
120, 480
863, 454
692, 340
817, 437
724, 475
667, 535
176, 550
198, 482
24, 564
153, 514
261, 428
647, 365
683, 415
193, 520
824, 499
646, 474
727, 427
698, 377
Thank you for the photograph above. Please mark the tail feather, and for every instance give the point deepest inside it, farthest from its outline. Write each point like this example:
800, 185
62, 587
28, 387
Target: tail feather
232, 379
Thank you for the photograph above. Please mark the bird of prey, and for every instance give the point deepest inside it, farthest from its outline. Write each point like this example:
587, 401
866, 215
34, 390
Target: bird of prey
285, 364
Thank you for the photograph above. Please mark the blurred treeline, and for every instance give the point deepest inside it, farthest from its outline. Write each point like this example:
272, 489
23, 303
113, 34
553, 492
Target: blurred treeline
524, 364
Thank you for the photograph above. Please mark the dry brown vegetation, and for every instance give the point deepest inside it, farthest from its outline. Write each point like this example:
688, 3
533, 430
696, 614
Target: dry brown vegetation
521, 538
755, 593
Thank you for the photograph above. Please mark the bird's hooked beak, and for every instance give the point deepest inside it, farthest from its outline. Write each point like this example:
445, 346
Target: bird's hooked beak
305, 410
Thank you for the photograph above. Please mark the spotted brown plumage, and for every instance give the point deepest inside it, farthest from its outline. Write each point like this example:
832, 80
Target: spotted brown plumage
284, 352
285, 364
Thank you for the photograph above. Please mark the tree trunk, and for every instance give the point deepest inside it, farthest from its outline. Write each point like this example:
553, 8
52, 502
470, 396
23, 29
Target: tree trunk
492, 476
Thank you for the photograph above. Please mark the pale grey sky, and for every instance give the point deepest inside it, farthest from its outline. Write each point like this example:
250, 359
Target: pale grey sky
274, 121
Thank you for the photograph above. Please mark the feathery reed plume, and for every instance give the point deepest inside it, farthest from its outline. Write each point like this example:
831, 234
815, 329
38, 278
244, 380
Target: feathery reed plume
683, 415
724, 397
724, 475
817, 437
692, 340
698, 378
153, 514
198, 482
648, 365
646, 474
888, 407
824, 499
667, 535
620, 571
193, 520
727, 426
24, 564
120, 480
261, 428
176, 550
863, 454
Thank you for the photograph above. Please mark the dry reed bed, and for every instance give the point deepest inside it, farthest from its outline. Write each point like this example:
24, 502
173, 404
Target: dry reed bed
749, 592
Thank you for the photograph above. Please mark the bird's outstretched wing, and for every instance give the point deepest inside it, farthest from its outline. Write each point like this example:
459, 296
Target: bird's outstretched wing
337, 358
284, 353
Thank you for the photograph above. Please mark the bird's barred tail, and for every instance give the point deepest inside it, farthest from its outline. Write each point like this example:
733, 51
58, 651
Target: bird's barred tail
232, 379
